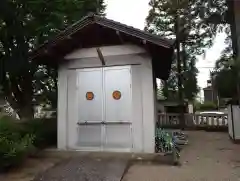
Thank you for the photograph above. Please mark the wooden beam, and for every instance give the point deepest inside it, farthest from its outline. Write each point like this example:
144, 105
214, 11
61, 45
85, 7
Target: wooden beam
120, 37
144, 42
100, 55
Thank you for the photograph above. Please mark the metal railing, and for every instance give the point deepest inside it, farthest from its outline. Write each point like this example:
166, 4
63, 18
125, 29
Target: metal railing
192, 120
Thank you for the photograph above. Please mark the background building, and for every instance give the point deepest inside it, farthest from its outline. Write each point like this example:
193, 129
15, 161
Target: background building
210, 92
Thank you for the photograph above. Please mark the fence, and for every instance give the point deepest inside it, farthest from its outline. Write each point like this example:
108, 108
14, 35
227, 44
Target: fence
172, 120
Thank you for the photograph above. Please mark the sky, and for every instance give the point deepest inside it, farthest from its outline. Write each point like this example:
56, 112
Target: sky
134, 13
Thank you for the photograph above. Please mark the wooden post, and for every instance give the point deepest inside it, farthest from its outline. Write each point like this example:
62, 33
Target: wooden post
100, 55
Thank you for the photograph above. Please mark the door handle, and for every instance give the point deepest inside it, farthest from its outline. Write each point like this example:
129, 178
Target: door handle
91, 123
81, 123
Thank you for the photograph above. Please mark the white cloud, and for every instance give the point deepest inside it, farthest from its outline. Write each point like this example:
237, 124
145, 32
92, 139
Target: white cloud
130, 12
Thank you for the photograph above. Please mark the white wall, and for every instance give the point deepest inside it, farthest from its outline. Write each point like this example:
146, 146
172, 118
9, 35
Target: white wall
137, 109
230, 128
143, 116
106, 51
62, 107
148, 104
236, 122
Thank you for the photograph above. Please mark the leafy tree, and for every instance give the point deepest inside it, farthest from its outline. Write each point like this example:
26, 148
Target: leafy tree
197, 23
24, 25
227, 67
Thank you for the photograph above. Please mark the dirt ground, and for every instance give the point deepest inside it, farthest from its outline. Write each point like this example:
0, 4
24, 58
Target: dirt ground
33, 166
70, 165
86, 168
208, 157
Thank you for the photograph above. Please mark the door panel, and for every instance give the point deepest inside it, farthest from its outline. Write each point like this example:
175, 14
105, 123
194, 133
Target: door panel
90, 81
118, 136
104, 122
90, 135
117, 79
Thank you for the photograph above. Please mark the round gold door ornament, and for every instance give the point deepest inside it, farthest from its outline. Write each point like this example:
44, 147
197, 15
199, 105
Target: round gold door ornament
116, 95
89, 96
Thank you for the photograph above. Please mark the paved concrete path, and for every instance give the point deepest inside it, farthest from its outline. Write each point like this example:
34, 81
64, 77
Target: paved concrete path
208, 157
86, 168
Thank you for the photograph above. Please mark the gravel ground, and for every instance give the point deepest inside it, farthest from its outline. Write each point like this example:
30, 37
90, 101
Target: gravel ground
86, 169
208, 157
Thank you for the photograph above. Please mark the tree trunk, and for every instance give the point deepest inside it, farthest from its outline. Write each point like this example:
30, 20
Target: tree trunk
184, 57
20, 94
26, 112
179, 69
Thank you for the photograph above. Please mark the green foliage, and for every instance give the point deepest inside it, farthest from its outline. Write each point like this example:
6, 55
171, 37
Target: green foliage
226, 83
25, 25
227, 77
165, 143
18, 140
190, 84
14, 147
13, 152
206, 106
45, 131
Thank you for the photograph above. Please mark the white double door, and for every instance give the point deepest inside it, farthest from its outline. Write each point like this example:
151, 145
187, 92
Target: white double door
104, 108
